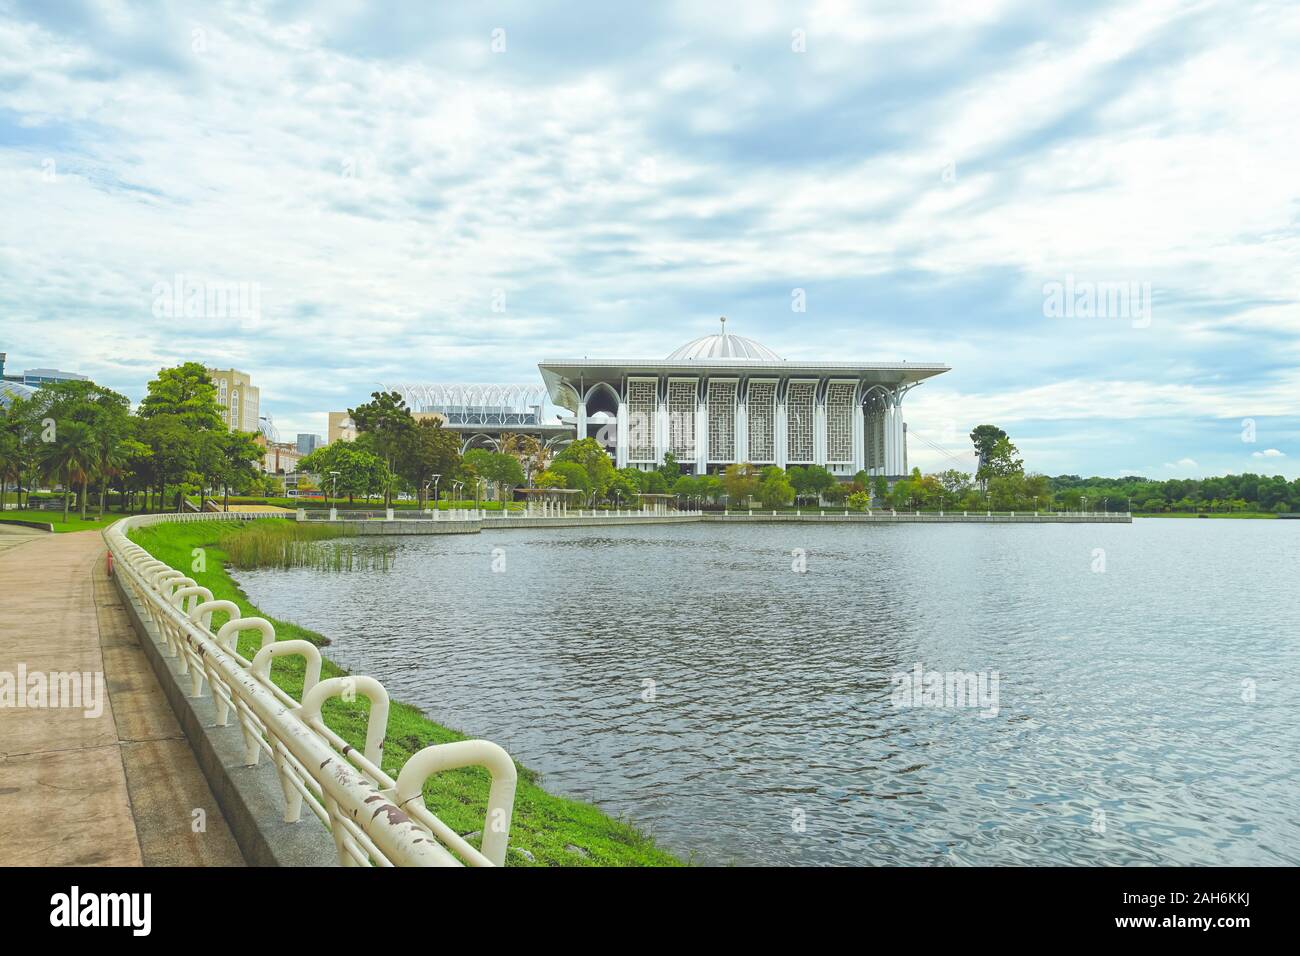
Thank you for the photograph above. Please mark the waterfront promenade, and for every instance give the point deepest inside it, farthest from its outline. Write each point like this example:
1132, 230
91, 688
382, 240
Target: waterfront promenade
471, 522
112, 784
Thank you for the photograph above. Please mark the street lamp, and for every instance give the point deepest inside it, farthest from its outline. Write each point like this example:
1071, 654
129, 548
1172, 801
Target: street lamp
1083, 505
334, 475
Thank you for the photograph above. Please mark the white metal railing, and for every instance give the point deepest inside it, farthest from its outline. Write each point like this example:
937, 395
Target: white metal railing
373, 818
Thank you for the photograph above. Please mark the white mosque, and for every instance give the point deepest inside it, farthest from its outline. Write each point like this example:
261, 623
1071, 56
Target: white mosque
724, 398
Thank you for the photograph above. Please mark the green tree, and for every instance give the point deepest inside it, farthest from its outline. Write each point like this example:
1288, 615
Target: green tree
430, 450
1003, 461
984, 438
740, 481
880, 489
859, 501
775, 491
238, 455
571, 475
181, 424
384, 428
591, 456
71, 458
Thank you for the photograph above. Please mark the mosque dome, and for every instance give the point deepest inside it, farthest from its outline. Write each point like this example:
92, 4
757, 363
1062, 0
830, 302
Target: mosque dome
723, 345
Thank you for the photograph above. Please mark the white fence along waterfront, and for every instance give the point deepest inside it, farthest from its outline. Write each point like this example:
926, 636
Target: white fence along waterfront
374, 819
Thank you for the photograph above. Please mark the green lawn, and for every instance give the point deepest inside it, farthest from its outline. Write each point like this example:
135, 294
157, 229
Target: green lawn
1211, 514
55, 518
543, 824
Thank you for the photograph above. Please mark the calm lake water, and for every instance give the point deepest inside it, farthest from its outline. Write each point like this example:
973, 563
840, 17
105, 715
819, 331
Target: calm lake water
1123, 733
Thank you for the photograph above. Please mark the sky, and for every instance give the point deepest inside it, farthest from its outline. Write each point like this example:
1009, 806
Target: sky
410, 192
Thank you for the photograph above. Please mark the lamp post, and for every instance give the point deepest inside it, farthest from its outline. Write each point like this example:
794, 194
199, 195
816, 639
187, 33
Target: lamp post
1083, 505
435, 491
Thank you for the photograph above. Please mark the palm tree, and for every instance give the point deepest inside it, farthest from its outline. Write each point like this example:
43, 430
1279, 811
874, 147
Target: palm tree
71, 455
110, 459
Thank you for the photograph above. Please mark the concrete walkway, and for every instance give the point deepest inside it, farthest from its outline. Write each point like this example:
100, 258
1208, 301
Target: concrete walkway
121, 788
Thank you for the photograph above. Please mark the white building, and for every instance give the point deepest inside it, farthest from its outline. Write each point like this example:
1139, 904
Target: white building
723, 398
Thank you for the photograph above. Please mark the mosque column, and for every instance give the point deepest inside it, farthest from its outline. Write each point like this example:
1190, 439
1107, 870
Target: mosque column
701, 433
819, 426
582, 419
781, 437
859, 437
741, 451
661, 423
620, 439
887, 423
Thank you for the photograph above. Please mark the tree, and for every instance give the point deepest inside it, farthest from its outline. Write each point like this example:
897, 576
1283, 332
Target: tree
955, 484
710, 486
816, 481
880, 488
569, 474
384, 427
740, 482
70, 457
623, 489
859, 501
237, 462
502, 470
984, 437
774, 490
592, 457
181, 424
360, 471
1002, 462
186, 393
429, 450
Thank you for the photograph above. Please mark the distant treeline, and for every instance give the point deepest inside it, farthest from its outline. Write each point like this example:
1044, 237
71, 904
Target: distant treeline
1246, 492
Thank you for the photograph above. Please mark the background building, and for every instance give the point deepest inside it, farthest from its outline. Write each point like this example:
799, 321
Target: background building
481, 414
239, 399
35, 377
308, 443
723, 398
340, 428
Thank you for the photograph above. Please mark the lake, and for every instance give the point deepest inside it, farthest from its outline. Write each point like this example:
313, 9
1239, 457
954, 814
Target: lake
744, 693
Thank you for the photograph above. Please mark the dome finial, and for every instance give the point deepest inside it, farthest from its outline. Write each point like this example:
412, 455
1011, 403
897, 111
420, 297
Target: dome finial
723, 320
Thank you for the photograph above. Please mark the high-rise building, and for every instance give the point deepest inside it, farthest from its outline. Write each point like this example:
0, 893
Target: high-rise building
308, 443
238, 397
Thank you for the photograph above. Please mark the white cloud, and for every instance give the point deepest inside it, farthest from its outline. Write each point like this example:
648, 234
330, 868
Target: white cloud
1268, 453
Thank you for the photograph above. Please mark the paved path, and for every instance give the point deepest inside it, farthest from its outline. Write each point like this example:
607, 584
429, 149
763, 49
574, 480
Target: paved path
13, 535
117, 789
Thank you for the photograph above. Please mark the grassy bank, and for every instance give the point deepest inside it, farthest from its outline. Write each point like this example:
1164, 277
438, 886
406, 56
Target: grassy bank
55, 518
544, 825
1203, 514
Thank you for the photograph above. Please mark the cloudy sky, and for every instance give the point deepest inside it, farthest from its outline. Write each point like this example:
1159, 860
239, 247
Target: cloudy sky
410, 192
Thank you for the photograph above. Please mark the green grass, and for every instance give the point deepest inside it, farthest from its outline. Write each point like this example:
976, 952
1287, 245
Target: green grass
360, 504
543, 824
1203, 514
55, 518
